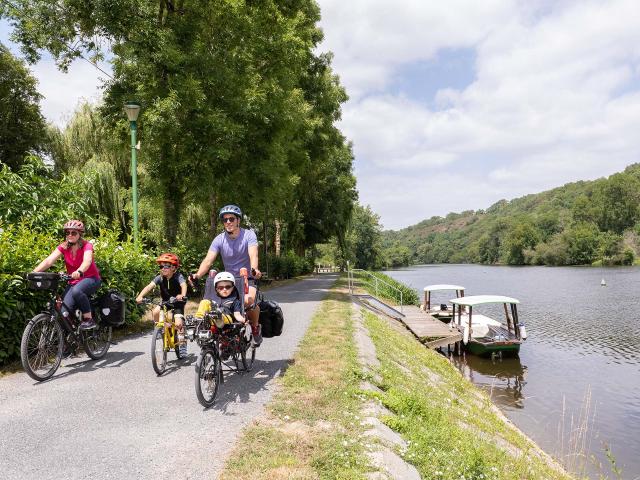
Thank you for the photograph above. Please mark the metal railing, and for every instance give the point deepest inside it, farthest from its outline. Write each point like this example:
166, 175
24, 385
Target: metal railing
377, 282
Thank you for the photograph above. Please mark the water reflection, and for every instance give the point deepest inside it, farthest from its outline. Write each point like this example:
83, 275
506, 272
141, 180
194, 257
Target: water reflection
502, 378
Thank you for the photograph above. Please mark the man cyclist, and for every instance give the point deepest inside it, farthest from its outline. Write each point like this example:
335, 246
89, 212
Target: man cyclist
238, 248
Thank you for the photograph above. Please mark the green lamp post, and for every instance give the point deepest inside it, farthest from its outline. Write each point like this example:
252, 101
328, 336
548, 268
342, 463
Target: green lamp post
133, 109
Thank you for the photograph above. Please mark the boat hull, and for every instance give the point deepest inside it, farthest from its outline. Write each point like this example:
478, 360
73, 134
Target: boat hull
487, 349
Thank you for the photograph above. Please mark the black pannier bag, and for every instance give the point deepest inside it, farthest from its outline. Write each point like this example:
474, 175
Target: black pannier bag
113, 308
43, 280
271, 318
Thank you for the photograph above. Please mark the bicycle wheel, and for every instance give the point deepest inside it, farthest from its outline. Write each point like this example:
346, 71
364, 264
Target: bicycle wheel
208, 376
96, 342
158, 352
41, 347
247, 354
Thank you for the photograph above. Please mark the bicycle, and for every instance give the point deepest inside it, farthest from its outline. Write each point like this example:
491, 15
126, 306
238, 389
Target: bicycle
165, 335
220, 344
55, 333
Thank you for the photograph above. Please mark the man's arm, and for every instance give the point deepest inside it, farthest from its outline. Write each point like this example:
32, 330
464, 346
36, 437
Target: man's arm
206, 264
253, 258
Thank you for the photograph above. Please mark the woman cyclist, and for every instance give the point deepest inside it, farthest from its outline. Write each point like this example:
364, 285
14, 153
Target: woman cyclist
79, 262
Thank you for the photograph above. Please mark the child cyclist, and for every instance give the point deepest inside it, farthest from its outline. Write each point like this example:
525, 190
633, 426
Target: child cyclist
228, 298
172, 284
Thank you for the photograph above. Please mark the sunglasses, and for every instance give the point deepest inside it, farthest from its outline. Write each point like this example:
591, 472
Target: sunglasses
72, 233
224, 287
165, 266
228, 219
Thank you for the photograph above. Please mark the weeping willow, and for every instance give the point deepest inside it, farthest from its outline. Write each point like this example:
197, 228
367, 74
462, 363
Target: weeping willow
106, 198
88, 151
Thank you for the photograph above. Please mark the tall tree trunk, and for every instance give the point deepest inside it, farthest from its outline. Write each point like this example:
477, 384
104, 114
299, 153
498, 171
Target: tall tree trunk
265, 237
170, 219
213, 218
276, 239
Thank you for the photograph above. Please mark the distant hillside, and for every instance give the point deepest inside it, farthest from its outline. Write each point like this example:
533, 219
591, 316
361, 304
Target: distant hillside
579, 223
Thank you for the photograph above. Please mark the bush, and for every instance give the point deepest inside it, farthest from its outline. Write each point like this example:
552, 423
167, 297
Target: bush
287, 266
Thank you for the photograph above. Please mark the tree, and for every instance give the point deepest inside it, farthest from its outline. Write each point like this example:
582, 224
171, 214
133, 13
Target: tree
364, 238
90, 151
521, 236
617, 203
34, 198
237, 107
22, 126
582, 242
583, 209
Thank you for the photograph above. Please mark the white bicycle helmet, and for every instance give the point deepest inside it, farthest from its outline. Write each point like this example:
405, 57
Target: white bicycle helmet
233, 209
224, 276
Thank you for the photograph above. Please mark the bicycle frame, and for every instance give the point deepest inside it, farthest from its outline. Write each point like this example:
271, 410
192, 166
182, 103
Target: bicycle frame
169, 328
57, 308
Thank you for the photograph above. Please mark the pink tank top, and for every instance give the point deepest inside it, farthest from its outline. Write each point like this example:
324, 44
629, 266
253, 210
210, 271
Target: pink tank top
73, 262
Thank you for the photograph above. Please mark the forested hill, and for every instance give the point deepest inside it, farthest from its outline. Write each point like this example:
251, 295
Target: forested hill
579, 223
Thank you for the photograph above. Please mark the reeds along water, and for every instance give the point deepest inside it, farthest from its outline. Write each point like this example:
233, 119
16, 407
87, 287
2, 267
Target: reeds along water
575, 443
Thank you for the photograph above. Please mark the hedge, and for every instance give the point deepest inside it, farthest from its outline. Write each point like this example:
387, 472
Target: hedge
287, 265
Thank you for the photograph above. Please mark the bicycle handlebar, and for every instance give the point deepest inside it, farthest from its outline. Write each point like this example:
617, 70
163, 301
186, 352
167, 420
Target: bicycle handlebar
163, 303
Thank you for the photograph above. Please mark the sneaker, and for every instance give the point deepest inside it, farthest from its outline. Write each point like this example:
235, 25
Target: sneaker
87, 324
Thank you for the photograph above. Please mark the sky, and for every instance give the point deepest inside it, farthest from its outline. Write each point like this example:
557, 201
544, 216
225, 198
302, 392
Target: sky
455, 105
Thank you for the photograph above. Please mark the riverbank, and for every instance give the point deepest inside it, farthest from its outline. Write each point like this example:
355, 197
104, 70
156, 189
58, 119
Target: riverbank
316, 427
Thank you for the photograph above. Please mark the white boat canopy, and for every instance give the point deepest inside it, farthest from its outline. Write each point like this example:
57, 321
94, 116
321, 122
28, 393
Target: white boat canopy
433, 288
474, 300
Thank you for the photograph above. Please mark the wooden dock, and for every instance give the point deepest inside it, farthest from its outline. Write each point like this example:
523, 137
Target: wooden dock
430, 331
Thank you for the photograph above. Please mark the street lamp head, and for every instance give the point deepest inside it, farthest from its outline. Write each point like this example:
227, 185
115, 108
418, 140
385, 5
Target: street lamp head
132, 109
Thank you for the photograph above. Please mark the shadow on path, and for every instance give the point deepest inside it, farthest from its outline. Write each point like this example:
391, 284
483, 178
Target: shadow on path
238, 387
110, 360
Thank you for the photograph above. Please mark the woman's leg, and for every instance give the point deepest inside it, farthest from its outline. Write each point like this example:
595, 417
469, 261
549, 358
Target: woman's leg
81, 292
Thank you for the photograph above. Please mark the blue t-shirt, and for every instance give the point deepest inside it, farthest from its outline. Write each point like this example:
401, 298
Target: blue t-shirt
235, 251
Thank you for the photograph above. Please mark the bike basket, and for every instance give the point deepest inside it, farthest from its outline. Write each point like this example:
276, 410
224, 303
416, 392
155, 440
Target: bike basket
43, 280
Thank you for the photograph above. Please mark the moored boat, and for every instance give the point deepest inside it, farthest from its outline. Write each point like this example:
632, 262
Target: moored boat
483, 335
442, 311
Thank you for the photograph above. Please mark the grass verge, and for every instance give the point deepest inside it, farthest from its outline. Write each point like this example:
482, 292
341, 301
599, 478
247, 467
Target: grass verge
311, 428
453, 430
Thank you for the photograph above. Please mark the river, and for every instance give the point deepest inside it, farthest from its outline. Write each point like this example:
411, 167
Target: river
575, 388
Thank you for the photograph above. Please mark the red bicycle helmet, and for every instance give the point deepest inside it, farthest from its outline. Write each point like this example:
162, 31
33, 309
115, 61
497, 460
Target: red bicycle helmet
74, 225
171, 258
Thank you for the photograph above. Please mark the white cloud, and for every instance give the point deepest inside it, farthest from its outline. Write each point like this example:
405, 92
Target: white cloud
377, 36
64, 91
555, 98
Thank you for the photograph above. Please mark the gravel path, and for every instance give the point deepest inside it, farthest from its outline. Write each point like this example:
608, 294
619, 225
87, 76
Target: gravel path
114, 418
